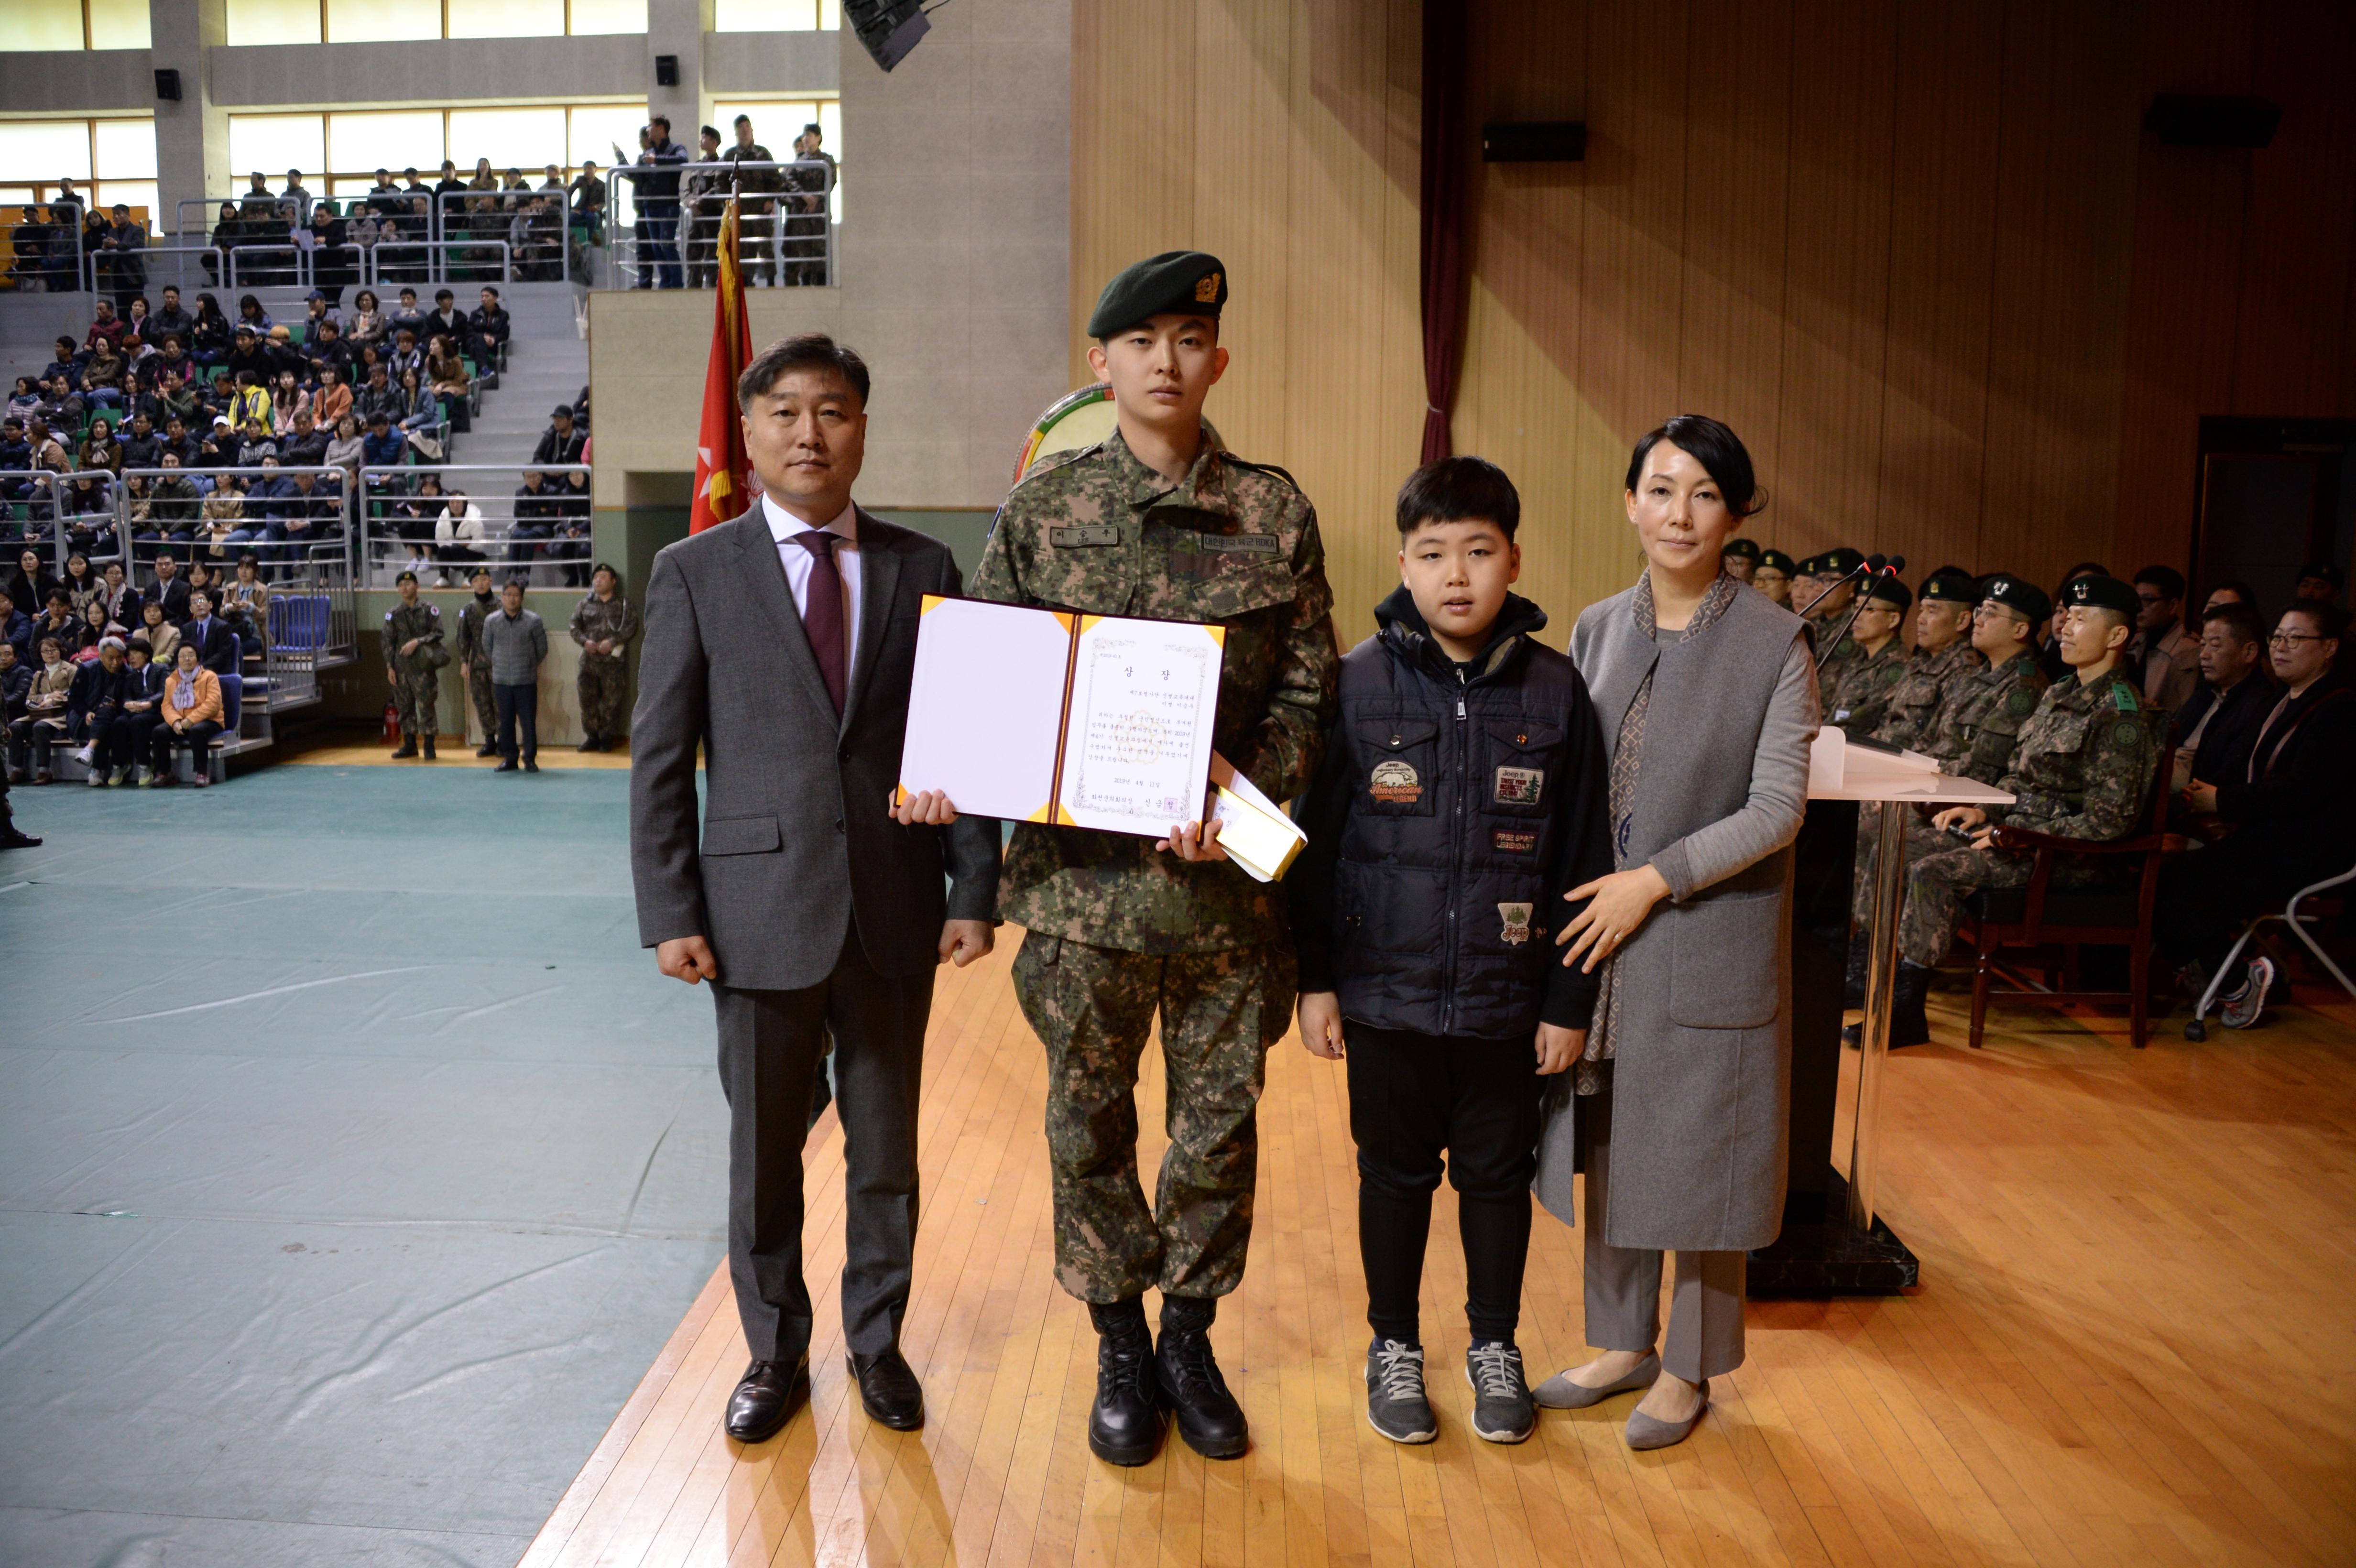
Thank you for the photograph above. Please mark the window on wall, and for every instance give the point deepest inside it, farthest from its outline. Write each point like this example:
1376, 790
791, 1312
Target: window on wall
48, 26
775, 15
365, 21
777, 120
109, 160
340, 152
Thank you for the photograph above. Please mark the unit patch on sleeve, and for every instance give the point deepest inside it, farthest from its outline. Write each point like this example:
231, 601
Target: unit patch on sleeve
1514, 841
1394, 783
1516, 929
1519, 786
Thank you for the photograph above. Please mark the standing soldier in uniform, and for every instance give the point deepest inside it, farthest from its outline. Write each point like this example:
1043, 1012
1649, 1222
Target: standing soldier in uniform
1156, 521
1944, 660
2081, 769
602, 626
474, 661
410, 627
756, 223
1877, 659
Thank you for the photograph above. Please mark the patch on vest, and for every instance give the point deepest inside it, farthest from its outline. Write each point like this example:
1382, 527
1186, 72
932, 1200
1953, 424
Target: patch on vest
1516, 923
1394, 783
1240, 544
2020, 702
1519, 786
1514, 841
1084, 534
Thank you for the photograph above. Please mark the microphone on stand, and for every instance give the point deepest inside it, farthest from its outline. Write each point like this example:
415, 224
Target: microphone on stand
1869, 565
1875, 566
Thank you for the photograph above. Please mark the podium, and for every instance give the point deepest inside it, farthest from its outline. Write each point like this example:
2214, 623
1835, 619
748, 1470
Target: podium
1833, 1241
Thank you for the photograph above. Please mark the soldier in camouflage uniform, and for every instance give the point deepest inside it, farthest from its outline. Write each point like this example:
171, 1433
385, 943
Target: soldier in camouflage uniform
410, 628
1824, 596
1942, 660
475, 663
2082, 768
1876, 659
1155, 521
602, 626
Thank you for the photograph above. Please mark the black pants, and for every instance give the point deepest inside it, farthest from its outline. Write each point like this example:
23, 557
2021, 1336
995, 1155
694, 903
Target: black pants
125, 741
772, 1050
1413, 1096
519, 708
2207, 896
197, 737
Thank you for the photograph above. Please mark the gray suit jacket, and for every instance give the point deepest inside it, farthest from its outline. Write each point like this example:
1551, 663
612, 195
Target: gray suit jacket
797, 840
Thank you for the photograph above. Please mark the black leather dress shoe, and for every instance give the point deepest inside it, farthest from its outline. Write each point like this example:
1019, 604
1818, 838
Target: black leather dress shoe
888, 1390
766, 1399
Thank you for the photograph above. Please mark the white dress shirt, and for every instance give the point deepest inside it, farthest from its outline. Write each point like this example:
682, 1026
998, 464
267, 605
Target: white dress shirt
799, 563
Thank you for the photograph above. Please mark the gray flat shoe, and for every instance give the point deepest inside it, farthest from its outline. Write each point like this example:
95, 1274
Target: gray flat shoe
1559, 1393
1643, 1432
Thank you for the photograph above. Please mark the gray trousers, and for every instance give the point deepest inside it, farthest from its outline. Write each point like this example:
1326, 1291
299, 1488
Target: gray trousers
772, 1048
1623, 1284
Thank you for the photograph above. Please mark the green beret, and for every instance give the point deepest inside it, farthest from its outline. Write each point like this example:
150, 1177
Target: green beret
1188, 282
1890, 591
1947, 587
2017, 594
404, 577
1740, 549
1842, 560
1779, 561
2097, 592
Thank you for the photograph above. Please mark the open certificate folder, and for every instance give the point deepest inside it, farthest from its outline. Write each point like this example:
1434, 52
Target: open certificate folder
1051, 716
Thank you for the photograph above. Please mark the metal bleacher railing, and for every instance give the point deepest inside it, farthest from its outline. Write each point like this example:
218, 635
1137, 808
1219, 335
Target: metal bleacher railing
543, 537
671, 240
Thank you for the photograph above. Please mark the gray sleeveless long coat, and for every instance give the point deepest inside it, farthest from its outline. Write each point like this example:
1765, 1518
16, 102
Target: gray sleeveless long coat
1701, 1080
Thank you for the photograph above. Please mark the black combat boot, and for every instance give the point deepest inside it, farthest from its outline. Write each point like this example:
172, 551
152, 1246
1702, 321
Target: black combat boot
1125, 1422
427, 741
1859, 954
408, 748
1908, 1024
1209, 1419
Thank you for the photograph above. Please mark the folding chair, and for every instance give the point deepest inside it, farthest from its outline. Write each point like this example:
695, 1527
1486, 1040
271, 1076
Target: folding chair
2198, 1028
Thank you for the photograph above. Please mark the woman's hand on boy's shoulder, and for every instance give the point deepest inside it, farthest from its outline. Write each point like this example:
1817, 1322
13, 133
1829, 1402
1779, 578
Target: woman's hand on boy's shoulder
1321, 1024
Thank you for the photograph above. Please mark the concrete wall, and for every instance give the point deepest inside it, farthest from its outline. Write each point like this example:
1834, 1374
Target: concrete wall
953, 269
91, 83
431, 71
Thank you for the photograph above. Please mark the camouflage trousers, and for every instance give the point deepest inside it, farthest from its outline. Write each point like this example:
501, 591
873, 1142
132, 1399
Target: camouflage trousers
415, 694
1092, 1008
601, 685
478, 694
1922, 839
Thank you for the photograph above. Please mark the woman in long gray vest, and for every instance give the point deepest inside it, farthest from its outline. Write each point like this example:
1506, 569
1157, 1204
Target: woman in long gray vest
1705, 693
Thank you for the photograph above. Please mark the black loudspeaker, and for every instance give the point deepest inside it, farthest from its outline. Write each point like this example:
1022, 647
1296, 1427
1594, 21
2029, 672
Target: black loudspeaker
168, 87
887, 29
2197, 119
666, 70
1534, 142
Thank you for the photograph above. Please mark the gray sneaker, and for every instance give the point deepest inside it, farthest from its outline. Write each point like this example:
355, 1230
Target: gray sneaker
1396, 1406
1502, 1409
2242, 1008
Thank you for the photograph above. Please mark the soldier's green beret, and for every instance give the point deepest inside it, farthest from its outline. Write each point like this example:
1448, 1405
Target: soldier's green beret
1842, 560
1890, 591
1777, 560
1808, 564
1740, 549
2017, 594
1945, 587
1190, 282
404, 577
2093, 591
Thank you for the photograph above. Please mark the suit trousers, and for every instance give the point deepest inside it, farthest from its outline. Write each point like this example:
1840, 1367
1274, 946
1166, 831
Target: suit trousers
772, 1049
519, 708
1623, 1284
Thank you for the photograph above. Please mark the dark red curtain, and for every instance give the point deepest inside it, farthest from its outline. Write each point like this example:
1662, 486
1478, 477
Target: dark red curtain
1443, 216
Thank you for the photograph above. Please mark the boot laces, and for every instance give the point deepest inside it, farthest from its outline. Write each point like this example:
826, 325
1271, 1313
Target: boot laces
1398, 1371
1496, 1370
1188, 1353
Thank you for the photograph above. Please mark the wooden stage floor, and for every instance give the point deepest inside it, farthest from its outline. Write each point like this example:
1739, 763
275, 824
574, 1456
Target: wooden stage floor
2133, 1346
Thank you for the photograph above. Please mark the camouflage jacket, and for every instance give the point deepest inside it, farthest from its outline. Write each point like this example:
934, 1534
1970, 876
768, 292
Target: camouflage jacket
595, 620
2083, 767
1859, 695
1234, 543
1978, 725
1832, 659
1913, 714
422, 621
471, 654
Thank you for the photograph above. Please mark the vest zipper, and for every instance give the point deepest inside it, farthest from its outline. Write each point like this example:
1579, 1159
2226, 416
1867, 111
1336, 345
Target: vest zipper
1455, 863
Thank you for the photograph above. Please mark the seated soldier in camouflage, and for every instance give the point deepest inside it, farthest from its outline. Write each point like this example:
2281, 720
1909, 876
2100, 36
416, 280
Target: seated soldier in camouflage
1822, 595
1772, 576
1874, 659
1934, 676
2081, 768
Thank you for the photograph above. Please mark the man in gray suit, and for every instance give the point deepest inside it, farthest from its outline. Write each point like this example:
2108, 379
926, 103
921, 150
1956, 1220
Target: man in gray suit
780, 643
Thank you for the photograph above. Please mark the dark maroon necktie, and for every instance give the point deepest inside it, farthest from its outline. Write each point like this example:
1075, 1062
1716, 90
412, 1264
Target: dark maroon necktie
822, 619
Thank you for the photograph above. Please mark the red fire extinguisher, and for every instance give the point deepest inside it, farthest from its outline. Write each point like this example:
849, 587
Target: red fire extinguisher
391, 724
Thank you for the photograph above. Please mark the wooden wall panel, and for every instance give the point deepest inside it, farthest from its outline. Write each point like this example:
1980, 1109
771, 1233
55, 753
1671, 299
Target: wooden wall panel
1923, 257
